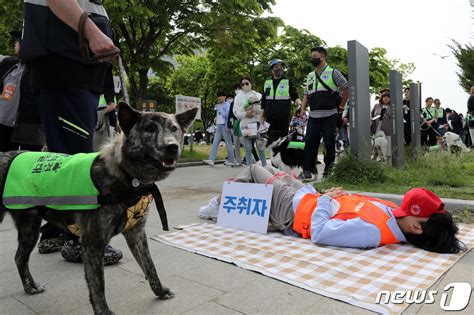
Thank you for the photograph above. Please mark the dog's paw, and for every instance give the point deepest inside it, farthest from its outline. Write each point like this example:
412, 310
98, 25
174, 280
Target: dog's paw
165, 294
34, 288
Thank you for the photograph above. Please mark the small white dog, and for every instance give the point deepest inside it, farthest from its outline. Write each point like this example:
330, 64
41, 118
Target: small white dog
379, 146
455, 143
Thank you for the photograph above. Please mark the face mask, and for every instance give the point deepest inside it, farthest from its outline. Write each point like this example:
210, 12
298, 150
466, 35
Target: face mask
278, 73
247, 88
315, 61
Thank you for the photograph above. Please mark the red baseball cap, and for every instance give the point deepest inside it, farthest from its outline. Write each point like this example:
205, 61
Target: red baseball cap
419, 202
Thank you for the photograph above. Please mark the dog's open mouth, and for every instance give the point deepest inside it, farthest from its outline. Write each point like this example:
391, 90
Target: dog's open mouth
167, 164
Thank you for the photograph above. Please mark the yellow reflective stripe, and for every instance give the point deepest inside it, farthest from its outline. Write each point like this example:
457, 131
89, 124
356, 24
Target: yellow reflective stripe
73, 125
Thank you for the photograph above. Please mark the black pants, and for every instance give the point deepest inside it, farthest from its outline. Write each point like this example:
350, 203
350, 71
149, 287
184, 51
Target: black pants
69, 117
316, 126
428, 137
5, 137
279, 123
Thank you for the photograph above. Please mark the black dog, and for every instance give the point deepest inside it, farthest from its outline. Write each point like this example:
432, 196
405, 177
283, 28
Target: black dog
146, 152
282, 157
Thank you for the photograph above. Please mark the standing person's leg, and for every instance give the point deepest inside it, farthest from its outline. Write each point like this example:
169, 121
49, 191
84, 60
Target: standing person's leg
69, 117
248, 145
471, 133
329, 125
5, 137
424, 137
261, 154
312, 139
432, 137
215, 143
228, 143
237, 155
254, 152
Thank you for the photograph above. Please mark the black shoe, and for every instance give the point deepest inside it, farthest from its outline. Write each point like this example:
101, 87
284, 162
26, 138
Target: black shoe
72, 252
51, 244
305, 175
111, 255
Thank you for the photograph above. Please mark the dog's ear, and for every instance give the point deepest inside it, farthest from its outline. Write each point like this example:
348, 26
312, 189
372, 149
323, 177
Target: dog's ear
185, 119
127, 116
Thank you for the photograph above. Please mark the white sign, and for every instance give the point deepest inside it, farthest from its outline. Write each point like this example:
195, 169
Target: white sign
183, 103
245, 206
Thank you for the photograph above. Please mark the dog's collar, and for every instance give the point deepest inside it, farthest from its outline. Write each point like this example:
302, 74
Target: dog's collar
135, 188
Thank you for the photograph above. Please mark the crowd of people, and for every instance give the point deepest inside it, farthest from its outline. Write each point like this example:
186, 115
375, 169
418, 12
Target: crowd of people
253, 116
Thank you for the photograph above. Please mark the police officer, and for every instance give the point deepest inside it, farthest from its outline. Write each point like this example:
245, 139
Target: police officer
276, 99
429, 126
324, 87
440, 116
68, 78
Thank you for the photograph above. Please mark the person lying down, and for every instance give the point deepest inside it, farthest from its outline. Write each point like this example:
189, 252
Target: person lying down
338, 218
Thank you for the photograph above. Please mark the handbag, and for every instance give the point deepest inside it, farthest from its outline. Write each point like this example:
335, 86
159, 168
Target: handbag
236, 128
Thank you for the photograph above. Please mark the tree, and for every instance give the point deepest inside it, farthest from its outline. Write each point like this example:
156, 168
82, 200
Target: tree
12, 19
465, 61
147, 31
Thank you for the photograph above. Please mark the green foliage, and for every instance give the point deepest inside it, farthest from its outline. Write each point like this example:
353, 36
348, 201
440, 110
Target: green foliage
147, 31
352, 169
12, 19
465, 61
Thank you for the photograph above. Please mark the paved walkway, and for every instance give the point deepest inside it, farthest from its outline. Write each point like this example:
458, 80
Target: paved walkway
202, 285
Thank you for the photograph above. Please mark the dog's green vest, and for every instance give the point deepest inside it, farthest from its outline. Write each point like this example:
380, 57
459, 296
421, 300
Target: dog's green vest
296, 145
57, 181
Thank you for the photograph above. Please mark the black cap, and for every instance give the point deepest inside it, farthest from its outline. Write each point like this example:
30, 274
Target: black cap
221, 93
448, 110
16, 35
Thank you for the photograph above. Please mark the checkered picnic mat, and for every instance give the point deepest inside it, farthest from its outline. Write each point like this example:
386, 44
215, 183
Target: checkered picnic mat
351, 275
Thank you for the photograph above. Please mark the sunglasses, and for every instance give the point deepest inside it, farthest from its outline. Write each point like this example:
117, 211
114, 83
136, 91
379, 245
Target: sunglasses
244, 83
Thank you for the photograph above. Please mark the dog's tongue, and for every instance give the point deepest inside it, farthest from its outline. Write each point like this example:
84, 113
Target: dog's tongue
169, 163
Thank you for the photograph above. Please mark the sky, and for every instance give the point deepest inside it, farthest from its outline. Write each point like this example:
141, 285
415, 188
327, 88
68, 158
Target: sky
410, 30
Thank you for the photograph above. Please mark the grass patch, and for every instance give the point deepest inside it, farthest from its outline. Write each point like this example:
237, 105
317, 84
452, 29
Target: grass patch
448, 175
202, 152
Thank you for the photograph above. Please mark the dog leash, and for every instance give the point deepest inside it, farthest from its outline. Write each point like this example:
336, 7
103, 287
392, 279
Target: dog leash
84, 44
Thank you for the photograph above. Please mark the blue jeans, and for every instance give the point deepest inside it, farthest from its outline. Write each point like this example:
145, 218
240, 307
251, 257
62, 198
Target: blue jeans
248, 145
222, 133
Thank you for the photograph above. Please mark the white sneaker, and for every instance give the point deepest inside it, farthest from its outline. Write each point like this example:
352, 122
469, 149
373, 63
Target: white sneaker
209, 211
209, 162
231, 164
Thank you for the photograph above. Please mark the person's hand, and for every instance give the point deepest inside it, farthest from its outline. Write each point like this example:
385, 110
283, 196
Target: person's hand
99, 43
345, 120
335, 192
428, 123
249, 112
298, 102
302, 115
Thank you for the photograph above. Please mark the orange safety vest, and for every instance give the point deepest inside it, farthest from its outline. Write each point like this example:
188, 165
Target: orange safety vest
351, 207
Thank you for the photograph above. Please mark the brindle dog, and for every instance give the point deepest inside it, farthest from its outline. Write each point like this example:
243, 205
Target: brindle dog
146, 151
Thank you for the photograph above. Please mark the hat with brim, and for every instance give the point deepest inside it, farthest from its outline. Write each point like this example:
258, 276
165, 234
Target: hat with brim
419, 202
16, 35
